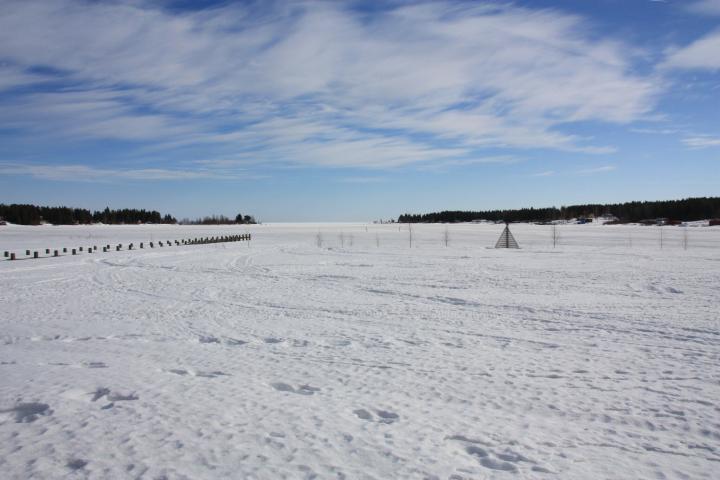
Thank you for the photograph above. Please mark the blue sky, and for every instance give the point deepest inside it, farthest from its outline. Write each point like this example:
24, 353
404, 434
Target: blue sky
334, 111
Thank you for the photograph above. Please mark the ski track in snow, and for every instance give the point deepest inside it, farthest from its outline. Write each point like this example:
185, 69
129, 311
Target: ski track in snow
285, 360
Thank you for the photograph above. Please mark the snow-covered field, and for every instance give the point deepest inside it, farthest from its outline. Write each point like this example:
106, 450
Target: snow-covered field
363, 358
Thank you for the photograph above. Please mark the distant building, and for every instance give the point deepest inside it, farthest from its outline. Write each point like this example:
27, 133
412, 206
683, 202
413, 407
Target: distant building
607, 218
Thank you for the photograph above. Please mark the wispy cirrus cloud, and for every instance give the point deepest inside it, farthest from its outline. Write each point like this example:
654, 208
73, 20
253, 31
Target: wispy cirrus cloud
704, 7
596, 170
702, 54
701, 141
582, 172
315, 83
84, 173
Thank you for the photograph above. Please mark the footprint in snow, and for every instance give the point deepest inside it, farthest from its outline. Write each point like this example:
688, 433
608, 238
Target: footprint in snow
198, 373
208, 339
94, 365
119, 396
76, 463
505, 460
301, 390
387, 417
363, 414
493, 464
483, 456
99, 393
384, 416
113, 395
28, 412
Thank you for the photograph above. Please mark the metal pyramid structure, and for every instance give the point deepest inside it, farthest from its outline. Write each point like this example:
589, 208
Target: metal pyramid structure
506, 239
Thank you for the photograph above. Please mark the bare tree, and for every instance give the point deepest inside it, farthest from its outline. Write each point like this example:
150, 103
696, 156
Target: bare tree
319, 239
410, 234
685, 238
446, 236
661, 237
342, 239
555, 235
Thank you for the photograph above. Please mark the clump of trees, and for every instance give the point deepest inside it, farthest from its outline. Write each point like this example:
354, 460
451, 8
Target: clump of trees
129, 215
24, 214
221, 220
688, 209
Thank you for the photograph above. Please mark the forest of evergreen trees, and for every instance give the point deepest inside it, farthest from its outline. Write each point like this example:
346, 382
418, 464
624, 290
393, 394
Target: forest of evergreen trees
220, 220
35, 215
688, 209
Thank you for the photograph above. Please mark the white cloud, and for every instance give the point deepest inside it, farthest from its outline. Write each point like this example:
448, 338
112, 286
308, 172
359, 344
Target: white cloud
655, 131
707, 7
701, 141
84, 173
440, 165
702, 54
547, 173
315, 83
592, 171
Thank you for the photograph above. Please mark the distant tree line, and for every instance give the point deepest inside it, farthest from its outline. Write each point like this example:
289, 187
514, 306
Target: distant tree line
688, 209
24, 214
220, 220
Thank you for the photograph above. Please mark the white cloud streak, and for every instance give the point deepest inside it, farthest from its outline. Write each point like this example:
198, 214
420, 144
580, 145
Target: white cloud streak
701, 141
702, 54
596, 170
705, 7
547, 173
84, 173
314, 82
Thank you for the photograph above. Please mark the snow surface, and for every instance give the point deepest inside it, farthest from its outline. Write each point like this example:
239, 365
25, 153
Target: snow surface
279, 359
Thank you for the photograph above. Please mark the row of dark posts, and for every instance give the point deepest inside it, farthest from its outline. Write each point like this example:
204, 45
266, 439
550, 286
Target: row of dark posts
190, 241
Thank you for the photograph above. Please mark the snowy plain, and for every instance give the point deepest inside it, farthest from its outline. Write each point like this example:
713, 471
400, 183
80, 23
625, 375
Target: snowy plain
362, 358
